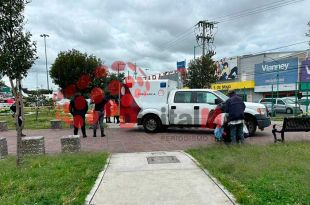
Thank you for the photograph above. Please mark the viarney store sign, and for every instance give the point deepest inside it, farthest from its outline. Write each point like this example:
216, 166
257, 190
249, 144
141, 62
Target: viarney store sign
283, 72
305, 71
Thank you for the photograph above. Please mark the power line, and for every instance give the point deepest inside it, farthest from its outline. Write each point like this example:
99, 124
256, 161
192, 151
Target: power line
218, 18
258, 10
231, 17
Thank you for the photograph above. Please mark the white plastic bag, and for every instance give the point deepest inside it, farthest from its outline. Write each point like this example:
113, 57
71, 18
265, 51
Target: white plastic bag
245, 131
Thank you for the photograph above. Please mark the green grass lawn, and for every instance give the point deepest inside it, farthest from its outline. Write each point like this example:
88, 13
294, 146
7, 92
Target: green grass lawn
261, 174
33, 122
50, 179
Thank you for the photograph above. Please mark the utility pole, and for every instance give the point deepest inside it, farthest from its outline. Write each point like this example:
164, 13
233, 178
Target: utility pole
205, 36
119, 87
44, 36
195, 51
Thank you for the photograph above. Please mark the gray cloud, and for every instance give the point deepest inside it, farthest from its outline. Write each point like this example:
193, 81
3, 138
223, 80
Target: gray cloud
143, 31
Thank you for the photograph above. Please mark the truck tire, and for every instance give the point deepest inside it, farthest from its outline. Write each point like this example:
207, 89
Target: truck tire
151, 124
251, 124
289, 111
164, 128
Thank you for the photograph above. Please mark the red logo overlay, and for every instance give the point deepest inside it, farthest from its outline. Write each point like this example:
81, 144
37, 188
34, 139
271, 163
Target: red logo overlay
128, 109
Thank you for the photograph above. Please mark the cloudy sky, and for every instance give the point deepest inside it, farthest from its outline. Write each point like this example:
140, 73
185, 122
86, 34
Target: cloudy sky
157, 33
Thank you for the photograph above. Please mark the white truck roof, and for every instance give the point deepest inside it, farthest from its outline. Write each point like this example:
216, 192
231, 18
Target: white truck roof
147, 93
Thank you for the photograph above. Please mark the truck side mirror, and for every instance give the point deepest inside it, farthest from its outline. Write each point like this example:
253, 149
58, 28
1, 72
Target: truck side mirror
217, 101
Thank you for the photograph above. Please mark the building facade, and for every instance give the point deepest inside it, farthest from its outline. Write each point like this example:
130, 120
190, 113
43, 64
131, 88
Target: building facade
275, 74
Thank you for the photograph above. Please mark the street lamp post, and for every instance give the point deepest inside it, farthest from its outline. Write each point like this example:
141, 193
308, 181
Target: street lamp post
119, 90
44, 36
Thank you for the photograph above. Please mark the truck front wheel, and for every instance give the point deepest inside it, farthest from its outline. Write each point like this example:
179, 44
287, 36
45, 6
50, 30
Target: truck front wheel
151, 124
251, 124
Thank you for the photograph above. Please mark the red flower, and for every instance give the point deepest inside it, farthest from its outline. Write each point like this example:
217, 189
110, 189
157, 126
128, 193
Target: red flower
114, 87
69, 91
78, 121
80, 102
118, 66
97, 95
101, 71
83, 82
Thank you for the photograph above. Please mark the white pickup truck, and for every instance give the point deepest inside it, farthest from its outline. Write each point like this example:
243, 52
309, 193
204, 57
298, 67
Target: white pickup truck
162, 105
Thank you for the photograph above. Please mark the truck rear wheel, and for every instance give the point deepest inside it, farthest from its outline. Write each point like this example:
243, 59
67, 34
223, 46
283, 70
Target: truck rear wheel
151, 124
251, 124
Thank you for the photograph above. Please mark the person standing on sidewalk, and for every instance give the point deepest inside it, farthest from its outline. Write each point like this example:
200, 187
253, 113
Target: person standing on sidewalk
108, 111
99, 115
235, 108
78, 108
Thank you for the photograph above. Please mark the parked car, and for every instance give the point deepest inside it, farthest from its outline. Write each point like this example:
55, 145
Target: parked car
281, 105
304, 102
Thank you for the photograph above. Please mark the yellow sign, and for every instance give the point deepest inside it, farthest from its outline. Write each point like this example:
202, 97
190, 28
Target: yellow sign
234, 85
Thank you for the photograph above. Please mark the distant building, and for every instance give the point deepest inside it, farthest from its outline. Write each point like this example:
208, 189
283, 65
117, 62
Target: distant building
266, 74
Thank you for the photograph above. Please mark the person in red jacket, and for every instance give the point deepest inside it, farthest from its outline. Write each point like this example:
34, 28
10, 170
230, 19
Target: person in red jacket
78, 108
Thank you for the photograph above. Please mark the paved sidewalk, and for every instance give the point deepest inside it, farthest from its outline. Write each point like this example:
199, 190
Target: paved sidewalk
129, 179
120, 140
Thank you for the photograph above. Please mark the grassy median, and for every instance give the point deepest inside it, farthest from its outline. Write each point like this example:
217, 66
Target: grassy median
50, 179
261, 174
40, 121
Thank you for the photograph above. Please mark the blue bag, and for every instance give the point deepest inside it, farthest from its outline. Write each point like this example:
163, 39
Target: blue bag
218, 133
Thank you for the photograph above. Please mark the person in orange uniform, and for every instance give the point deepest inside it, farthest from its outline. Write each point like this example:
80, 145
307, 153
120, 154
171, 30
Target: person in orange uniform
108, 111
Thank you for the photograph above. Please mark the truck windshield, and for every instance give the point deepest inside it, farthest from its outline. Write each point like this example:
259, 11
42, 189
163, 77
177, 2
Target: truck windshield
221, 95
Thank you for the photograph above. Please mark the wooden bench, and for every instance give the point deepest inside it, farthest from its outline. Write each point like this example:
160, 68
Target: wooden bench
292, 124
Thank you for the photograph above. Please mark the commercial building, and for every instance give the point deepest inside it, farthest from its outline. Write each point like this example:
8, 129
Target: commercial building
262, 75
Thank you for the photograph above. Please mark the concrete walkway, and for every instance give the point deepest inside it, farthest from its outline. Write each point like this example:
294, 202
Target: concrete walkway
147, 178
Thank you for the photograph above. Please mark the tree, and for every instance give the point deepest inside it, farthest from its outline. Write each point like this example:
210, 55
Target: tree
75, 71
72, 66
201, 72
17, 55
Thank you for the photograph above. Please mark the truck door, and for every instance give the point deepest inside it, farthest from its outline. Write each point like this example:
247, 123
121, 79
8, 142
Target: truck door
181, 110
205, 102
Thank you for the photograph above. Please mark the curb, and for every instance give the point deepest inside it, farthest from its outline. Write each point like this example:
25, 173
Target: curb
98, 182
215, 181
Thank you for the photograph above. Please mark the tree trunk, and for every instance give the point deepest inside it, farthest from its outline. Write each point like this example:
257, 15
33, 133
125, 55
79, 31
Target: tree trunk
19, 108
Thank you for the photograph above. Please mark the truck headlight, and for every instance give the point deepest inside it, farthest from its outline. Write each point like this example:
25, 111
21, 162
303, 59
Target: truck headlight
261, 111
